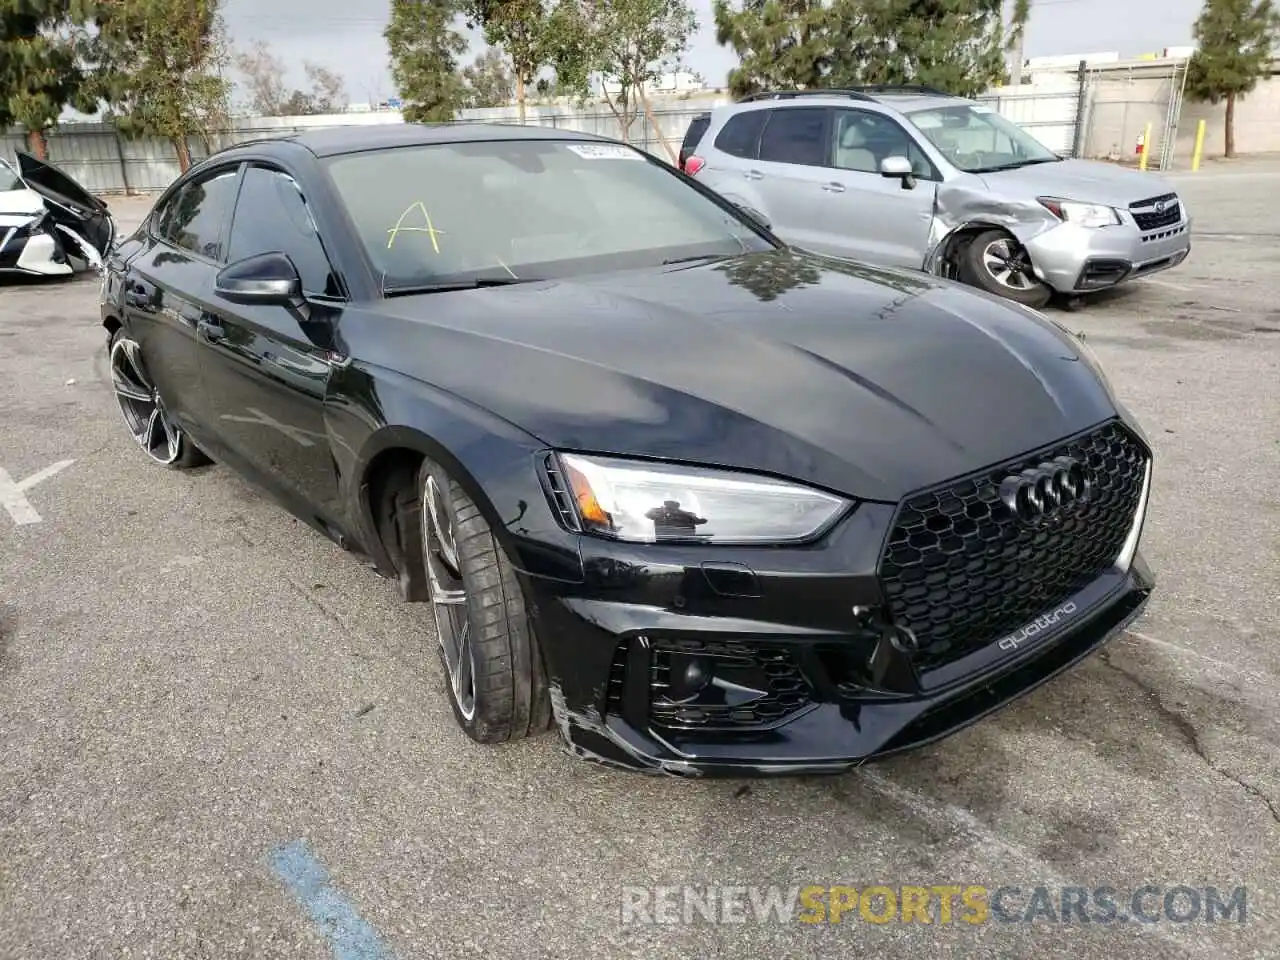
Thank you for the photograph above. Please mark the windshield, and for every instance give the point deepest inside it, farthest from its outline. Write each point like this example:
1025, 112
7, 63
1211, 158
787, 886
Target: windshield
976, 139
509, 211
8, 179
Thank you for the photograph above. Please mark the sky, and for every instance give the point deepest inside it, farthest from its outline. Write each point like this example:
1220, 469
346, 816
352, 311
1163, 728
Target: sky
346, 35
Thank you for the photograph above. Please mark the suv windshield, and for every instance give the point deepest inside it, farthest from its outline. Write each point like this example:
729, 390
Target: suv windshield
454, 214
976, 139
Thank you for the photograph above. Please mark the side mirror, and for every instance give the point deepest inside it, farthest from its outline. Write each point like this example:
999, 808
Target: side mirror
753, 214
899, 168
268, 278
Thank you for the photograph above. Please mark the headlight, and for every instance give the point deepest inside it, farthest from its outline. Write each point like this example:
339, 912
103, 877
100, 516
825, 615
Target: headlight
651, 502
1082, 214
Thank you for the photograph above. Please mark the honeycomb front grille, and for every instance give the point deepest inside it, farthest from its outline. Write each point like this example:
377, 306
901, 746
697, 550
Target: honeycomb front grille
771, 670
961, 571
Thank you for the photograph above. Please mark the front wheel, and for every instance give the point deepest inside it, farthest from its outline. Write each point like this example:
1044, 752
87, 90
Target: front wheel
493, 667
995, 262
153, 429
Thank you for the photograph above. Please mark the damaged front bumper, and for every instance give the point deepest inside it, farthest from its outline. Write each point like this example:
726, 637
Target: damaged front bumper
831, 731
905, 624
40, 246
1075, 259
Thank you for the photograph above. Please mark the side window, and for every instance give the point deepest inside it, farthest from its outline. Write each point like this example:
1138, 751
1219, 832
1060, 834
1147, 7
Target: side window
196, 215
741, 135
795, 135
272, 216
863, 140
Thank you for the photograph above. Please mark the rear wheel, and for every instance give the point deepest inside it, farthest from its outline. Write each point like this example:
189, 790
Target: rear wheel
153, 429
493, 667
995, 262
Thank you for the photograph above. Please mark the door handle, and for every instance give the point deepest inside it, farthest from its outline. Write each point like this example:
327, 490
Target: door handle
833, 187
753, 175
210, 331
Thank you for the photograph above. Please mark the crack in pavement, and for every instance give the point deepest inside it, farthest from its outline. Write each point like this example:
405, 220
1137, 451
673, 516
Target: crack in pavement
1186, 729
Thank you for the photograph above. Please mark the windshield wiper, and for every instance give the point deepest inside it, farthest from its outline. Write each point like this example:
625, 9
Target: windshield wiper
455, 285
1016, 166
696, 258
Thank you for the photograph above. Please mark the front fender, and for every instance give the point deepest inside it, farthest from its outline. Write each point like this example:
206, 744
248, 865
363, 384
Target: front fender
373, 412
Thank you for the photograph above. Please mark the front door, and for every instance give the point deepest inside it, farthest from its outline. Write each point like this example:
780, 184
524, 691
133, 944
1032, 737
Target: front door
867, 216
168, 287
264, 370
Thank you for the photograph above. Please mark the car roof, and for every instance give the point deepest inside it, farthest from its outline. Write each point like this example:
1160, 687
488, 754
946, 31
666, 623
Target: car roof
334, 141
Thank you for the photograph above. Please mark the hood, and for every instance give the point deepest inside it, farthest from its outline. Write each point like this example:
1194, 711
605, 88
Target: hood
866, 381
25, 203
1088, 181
53, 184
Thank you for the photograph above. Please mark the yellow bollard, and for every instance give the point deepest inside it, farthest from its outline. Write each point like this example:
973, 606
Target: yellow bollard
1146, 147
1195, 157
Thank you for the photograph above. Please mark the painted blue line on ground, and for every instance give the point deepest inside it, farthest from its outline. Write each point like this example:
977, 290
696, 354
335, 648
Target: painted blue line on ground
332, 915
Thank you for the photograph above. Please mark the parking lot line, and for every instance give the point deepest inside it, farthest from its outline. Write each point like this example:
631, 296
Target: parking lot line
13, 495
349, 936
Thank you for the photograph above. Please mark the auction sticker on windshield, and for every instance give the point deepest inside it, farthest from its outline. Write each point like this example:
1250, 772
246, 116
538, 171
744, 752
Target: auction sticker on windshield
604, 151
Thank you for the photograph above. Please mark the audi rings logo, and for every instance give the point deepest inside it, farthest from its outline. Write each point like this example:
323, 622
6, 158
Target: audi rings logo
1043, 492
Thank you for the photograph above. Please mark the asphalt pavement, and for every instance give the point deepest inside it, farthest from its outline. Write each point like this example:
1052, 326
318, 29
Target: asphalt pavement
222, 737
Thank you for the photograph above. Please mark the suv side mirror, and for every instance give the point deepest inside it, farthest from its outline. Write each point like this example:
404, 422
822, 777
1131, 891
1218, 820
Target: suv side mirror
753, 214
268, 278
899, 168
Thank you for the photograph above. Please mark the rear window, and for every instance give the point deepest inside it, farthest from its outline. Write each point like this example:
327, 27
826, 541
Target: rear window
691, 137
741, 135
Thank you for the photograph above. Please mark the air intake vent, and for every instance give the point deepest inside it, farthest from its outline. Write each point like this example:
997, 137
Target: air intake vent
561, 498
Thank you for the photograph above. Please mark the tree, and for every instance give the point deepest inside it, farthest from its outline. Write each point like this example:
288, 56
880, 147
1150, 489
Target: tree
954, 45
264, 75
781, 44
269, 96
632, 42
41, 45
160, 68
1236, 38
524, 29
488, 80
424, 50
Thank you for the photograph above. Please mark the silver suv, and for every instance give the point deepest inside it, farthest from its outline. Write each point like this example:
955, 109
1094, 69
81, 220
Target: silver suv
911, 177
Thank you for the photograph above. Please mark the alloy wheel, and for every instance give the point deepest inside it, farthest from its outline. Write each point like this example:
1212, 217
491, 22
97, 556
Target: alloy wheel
448, 596
144, 414
1007, 265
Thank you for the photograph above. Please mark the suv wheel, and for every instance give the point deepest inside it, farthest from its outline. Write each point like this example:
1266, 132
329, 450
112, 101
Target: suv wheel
995, 262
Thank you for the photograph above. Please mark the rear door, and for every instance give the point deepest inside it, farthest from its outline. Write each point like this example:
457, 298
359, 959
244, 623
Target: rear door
795, 148
264, 369
169, 286
867, 216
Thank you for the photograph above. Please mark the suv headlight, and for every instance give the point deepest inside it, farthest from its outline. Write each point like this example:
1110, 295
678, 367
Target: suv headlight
642, 502
1082, 214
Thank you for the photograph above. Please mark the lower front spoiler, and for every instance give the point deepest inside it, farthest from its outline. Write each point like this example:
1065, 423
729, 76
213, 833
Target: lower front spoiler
866, 731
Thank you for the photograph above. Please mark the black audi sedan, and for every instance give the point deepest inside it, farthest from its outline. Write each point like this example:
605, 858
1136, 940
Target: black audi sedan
705, 503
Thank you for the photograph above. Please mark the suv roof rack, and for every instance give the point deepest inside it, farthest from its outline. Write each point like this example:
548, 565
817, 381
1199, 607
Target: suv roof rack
908, 88
792, 94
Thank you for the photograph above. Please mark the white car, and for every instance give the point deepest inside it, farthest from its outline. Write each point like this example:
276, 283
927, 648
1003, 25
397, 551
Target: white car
49, 225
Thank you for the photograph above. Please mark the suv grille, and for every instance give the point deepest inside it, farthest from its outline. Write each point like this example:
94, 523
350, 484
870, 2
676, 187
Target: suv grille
1147, 218
961, 571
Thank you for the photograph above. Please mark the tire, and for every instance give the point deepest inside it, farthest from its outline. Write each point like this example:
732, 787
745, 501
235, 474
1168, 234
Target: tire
143, 408
478, 595
1019, 285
